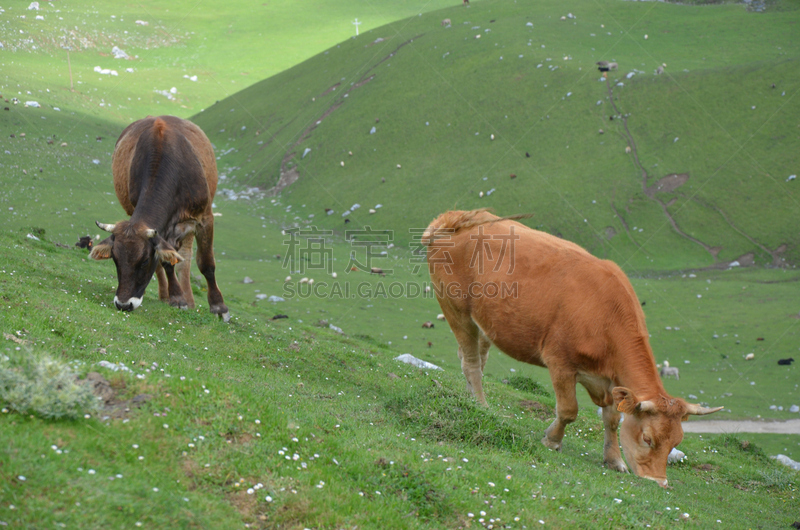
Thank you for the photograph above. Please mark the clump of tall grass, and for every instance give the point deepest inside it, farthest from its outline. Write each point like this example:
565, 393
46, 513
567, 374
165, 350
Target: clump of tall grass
36, 383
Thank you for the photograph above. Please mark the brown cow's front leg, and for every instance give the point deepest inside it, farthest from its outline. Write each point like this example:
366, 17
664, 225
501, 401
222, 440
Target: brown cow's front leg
163, 286
611, 454
176, 298
207, 266
184, 269
566, 409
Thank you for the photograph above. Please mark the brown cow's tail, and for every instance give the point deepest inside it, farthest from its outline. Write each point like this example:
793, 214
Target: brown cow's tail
451, 222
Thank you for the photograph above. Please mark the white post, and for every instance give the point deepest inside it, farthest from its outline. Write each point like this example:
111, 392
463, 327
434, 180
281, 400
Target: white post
356, 23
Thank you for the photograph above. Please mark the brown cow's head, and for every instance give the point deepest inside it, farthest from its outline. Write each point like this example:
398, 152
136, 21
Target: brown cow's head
136, 251
651, 430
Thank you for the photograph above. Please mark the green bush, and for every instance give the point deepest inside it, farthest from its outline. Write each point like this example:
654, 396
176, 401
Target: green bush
526, 384
34, 383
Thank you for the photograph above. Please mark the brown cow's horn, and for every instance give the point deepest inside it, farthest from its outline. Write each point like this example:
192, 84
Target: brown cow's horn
693, 408
646, 406
150, 233
104, 226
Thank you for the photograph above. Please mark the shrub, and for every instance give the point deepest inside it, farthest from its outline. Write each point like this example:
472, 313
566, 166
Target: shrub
526, 384
36, 383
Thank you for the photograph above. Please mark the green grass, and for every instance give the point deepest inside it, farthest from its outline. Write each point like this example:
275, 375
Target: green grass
315, 419
736, 198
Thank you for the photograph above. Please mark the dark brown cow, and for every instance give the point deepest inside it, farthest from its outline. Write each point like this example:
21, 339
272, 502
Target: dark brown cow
548, 302
165, 176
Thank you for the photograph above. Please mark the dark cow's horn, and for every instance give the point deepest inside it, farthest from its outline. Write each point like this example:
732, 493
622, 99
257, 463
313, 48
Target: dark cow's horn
693, 408
104, 226
646, 406
150, 233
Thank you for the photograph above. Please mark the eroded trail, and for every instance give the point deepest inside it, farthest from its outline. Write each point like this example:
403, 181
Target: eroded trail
670, 183
650, 192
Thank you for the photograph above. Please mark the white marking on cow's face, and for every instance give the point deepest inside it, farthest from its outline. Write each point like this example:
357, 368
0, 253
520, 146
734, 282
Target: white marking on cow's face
132, 303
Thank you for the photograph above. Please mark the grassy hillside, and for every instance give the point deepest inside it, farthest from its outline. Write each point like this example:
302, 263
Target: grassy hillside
229, 406
268, 424
435, 96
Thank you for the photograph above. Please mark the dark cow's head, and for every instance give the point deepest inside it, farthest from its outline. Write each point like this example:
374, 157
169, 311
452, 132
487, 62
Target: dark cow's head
136, 251
651, 429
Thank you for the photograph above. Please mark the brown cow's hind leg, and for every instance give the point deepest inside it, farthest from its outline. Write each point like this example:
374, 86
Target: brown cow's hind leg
566, 408
469, 351
483, 345
611, 454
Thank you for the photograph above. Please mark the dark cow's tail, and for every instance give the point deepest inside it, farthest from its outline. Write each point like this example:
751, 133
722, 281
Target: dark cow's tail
451, 222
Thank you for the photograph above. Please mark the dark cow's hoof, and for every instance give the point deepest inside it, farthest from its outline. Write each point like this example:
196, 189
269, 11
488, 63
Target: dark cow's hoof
221, 310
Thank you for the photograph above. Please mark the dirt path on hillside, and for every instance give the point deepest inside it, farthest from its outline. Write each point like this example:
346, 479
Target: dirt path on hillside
749, 426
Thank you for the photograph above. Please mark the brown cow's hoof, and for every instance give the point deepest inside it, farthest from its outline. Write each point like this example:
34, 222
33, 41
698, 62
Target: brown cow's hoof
617, 465
555, 446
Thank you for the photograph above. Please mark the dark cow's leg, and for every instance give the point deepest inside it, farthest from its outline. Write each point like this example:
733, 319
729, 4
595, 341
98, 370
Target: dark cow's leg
176, 298
611, 454
207, 266
163, 289
184, 270
566, 407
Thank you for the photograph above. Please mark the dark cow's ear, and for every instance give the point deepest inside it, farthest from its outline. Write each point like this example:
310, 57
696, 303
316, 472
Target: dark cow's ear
102, 250
624, 399
166, 253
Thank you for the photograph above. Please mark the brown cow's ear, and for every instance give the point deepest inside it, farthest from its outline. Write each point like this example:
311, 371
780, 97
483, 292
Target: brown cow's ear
624, 399
102, 250
166, 254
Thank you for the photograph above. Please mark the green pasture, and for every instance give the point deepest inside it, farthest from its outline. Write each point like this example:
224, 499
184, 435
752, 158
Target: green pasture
273, 81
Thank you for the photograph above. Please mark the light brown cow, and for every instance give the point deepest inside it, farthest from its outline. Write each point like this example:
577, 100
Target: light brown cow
548, 302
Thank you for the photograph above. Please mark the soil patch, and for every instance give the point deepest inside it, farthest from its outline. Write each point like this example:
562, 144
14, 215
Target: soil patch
669, 183
537, 409
113, 407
